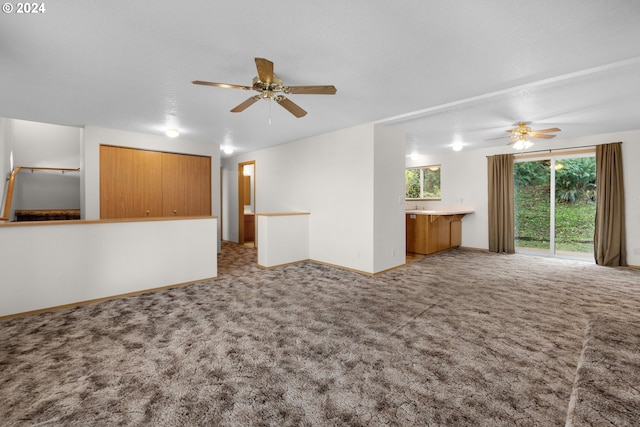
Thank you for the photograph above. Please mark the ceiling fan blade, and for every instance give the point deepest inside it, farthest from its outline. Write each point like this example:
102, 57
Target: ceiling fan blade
265, 70
249, 102
547, 130
291, 106
543, 136
225, 85
500, 137
311, 90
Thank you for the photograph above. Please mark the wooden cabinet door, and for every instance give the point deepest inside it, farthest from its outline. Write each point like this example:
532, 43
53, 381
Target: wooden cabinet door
417, 234
456, 233
440, 234
249, 228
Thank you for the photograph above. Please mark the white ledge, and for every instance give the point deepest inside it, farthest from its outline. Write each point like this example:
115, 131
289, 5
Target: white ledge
440, 211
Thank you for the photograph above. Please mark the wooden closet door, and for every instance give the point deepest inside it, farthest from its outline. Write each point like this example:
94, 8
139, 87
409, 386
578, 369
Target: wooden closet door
147, 184
174, 184
130, 183
187, 185
116, 179
199, 185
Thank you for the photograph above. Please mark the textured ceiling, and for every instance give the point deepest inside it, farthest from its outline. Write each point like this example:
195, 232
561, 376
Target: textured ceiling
442, 70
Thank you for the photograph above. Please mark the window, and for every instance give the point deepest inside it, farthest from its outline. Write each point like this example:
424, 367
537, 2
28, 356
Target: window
422, 183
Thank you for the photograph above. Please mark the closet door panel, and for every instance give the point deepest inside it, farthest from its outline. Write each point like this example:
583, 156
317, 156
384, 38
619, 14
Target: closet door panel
199, 185
147, 184
116, 179
174, 184
187, 185
140, 183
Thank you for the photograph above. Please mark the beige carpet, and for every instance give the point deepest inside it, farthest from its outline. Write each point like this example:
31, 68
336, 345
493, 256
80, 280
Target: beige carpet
607, 387
459, 338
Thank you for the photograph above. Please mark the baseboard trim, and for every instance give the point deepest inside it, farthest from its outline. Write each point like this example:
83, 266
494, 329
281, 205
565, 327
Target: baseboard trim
340, 267
271, 267
103, 299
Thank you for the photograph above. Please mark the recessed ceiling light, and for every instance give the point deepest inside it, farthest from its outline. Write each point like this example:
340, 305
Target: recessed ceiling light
172, 133
227, 149
456, 147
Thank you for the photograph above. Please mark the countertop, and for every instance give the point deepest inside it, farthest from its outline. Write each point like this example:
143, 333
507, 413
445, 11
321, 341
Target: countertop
447, 211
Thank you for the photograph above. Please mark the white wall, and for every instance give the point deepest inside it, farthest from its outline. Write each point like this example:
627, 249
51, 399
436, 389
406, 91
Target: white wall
48, 265
5, 165
389, 206
341, 198
42, 145
284, 239
464, 181
333, 177
94, 137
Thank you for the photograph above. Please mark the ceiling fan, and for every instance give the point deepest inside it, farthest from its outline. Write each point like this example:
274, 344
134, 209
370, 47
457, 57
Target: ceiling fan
269, 86
521, 134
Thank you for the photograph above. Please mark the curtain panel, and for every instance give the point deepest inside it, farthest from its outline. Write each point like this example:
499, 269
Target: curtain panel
501, 203
610, 246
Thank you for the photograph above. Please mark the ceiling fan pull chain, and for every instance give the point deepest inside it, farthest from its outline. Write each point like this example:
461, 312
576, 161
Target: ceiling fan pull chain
270, 110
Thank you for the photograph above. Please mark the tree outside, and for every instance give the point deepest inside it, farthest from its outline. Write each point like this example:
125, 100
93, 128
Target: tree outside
429, 176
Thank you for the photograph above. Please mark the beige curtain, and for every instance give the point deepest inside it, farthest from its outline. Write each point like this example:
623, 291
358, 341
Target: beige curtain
609, 238
501, 203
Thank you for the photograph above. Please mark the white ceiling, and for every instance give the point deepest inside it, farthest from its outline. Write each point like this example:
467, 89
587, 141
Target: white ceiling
443, 70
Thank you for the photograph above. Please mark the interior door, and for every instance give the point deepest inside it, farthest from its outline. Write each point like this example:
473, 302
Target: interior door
246, 202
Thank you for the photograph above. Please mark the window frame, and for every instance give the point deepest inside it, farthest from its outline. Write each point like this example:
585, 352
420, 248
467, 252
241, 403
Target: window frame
438, 168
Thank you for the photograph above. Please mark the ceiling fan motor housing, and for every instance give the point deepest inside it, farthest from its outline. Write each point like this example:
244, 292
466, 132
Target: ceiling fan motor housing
268, 89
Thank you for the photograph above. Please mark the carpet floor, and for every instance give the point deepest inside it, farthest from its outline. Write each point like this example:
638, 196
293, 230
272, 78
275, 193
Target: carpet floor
460, 338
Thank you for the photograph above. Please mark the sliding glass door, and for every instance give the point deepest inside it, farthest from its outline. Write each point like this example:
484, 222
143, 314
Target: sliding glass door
532, 205
555, 205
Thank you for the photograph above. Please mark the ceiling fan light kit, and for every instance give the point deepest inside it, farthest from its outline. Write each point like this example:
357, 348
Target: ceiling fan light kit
522, 144
521, 134
270, 87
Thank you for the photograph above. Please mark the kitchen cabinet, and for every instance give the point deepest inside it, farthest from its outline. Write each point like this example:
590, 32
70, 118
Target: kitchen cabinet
249, 228
141, 183
428, 234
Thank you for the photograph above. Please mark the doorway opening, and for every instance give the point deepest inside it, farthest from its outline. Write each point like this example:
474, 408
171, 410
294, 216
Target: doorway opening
246, 203
555, 205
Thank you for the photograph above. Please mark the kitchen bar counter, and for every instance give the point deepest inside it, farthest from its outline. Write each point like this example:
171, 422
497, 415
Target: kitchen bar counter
446, 211
433, 230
